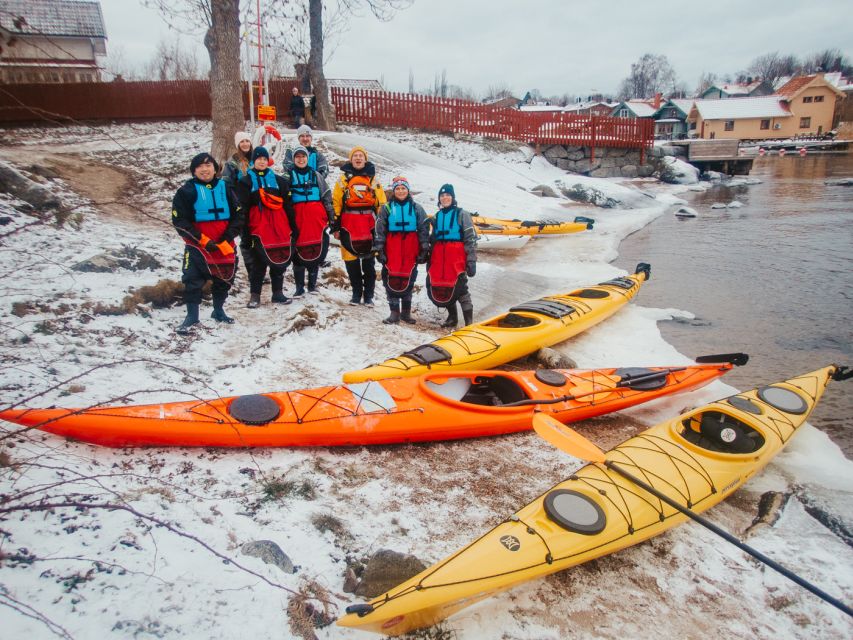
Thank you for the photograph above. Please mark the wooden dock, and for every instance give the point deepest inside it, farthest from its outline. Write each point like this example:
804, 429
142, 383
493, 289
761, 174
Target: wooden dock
716, 155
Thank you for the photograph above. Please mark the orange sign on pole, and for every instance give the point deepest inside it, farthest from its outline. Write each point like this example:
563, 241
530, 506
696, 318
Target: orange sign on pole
266, 112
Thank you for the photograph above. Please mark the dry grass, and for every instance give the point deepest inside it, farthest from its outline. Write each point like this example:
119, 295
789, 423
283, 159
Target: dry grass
309, 609
336, 277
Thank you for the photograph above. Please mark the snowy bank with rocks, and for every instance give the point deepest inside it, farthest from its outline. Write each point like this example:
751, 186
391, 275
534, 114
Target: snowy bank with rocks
212, 543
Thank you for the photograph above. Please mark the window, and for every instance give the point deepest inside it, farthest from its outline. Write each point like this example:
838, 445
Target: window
807, 99
805, 123
765, 124
693, 126
623, 113
818, 98
729, 125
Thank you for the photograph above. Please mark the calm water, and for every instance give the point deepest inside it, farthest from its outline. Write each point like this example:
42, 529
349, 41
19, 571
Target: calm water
773, 279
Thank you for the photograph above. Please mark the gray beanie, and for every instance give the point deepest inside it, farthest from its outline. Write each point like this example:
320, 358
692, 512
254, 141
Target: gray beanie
300, 149
304, 129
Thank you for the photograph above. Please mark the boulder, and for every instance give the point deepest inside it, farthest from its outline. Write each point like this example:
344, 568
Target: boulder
616, 152
675, 171
575, 153
385, 570
18, 185
553, 359
645, 171
269, 552
629, 171
734, 204
718, 205
686, 212
837, 182
591, 195
605, 172
584, 166
564, 164
128, 258
554, 152
544, 191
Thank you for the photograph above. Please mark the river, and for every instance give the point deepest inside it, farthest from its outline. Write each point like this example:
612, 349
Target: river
773, 279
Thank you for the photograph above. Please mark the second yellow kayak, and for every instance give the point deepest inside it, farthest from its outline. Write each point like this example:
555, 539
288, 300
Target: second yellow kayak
524, 329
497, 226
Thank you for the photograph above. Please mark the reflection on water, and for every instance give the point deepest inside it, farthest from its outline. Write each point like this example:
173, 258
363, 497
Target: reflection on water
774, 278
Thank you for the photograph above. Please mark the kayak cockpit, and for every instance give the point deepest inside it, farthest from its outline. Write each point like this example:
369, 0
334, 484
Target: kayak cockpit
487, 391
720, 432
513, 321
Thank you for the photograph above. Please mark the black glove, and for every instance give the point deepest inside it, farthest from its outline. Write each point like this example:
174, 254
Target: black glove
210, 247
334, 227
471, 269
423, 255
381, 257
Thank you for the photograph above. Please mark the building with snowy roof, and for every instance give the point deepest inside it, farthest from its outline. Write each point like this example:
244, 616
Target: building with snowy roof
51, 41
636, 108
803, 106
671, 119
750, 89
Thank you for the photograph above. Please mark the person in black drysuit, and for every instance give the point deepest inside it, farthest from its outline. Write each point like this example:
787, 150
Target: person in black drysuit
208, 218
297, 108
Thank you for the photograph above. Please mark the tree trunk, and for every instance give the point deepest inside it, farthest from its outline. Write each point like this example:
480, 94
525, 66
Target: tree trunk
226, 89
325, 117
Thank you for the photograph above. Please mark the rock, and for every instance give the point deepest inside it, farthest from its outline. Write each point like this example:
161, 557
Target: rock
350, 581
734, 204
269, 552
555, 152
101, 263
385, 570
606, 172
553, 359
770, 507
696, 187
583, 166
645, 171
581, 193
575, 153
18, 185
657, 151
616, 152
686, 212
839, 182
629, 171
718, 205
41, 170
564, 164
674, 150
754, 180
4, 220
675, 171
712, 176
736, 182
544, 191
128, 258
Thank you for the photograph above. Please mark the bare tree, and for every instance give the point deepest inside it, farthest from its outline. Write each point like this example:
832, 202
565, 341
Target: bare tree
411, 81
325, 114
651, 74
826, 61
772, 66
171, 61
707, 79
496, 91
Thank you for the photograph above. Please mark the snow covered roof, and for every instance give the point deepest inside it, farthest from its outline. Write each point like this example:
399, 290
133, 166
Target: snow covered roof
640, 108
53, 18
540, 107
760, 107
347, 83
798, 84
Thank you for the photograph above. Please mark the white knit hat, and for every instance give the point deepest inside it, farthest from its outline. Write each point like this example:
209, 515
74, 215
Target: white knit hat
240, 136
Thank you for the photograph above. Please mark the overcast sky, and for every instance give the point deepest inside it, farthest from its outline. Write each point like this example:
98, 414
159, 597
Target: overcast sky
556, 46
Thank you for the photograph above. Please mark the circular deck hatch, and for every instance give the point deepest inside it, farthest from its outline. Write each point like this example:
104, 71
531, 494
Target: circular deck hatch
783, 399
575, 512
254, 409
550, 377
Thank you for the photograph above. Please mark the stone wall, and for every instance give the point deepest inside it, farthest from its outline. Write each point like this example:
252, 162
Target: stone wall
609, 162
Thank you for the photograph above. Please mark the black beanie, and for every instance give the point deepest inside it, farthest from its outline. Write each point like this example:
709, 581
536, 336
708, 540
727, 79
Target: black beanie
447, 188
201, 159
260, 152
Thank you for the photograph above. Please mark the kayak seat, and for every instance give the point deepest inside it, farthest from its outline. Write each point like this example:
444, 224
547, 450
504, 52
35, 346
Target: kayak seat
720, 432
494, 391
516, 321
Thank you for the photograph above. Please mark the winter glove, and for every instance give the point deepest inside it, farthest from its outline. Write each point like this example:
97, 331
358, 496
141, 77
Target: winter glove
211, 246
471, 269
380, 255
225, 247
334, 227
423, 255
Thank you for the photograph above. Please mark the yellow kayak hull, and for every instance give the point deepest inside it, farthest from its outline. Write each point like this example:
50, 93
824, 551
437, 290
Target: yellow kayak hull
497, 226
691, 459
512, 335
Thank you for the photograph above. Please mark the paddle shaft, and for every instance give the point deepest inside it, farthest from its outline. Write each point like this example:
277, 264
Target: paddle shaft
626, 382
730, 538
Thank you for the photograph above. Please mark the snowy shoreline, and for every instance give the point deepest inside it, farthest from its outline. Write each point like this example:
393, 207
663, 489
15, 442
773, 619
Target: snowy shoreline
405, 498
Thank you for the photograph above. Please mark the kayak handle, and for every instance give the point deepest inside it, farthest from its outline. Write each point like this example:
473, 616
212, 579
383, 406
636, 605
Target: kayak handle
737, 359
360, 610
842, 373
644, 267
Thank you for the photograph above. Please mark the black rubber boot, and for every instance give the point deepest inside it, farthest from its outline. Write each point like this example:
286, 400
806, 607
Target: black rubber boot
312, 282
452, 318
279, 298
190, 321
254, 301
468, 315
220, 316
406, 315
394, 318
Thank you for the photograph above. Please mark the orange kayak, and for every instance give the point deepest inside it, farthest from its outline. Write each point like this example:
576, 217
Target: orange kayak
434, 406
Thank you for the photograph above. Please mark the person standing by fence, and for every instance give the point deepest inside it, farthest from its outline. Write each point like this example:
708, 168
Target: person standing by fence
208, 217
297, 108
402, 242
357, 197
453, 258
271, 226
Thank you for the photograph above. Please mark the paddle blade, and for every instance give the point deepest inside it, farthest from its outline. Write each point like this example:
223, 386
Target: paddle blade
566, 439
737, 359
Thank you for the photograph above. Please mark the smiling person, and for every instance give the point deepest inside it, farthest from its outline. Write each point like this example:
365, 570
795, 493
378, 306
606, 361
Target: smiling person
271, 226
357, 197
316, 160
208, 217
234, 170
453, 258
313, 212
402, 242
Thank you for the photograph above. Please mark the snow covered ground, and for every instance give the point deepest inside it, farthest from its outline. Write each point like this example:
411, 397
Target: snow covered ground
146, 543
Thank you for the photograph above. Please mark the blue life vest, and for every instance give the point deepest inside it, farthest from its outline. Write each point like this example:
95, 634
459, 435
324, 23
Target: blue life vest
304, 186
211, 202
402, 217
312, 160
267, 180
447, 225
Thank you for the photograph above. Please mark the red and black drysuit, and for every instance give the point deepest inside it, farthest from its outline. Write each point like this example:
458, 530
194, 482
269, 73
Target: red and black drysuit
207, 214
453, 257
311, 198
401, 241
270, 225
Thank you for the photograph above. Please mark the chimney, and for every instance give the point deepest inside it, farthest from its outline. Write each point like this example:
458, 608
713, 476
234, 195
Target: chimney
657, 101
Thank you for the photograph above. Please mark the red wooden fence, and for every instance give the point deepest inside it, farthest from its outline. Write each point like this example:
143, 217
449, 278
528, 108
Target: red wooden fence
191, 99
409, 111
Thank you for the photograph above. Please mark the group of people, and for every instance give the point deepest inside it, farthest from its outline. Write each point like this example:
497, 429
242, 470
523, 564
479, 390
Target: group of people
287, 218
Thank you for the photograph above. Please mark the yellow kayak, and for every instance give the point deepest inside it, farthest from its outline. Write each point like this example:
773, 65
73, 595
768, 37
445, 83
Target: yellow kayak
697, 459
497, 226
526, 328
